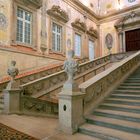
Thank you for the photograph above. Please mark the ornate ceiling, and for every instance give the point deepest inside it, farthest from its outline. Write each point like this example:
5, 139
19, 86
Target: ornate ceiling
105, 7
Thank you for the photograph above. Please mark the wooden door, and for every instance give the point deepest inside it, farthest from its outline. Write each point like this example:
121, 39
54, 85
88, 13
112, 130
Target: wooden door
132, 40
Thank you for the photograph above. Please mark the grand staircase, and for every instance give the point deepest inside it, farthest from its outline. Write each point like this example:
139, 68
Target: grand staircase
118, 117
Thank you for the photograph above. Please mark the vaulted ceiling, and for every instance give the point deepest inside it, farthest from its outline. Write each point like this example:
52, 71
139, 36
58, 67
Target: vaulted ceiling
105, 7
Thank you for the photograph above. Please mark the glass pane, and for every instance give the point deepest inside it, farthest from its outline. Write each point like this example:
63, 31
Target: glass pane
19, 13
77, 45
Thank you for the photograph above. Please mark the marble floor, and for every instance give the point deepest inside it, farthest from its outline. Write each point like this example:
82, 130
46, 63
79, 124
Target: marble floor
40, 127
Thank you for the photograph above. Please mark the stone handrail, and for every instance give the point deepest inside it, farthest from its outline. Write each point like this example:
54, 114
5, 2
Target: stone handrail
38, 73
37, 107
55, 81
120, 56
100, 86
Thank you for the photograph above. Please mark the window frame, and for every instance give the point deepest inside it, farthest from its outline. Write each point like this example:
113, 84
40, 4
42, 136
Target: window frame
56, 49
50, 26
24, 21
80, 44
34, 27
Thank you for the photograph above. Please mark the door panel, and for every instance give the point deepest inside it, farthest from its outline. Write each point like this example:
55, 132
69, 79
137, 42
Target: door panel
132, 40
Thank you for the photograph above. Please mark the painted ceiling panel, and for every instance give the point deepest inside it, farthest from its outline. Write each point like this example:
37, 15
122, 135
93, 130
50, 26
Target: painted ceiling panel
103, 7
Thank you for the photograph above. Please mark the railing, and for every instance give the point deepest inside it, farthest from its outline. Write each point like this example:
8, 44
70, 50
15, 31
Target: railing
53, 83
120, 56
98, 87
37, 107
38, 73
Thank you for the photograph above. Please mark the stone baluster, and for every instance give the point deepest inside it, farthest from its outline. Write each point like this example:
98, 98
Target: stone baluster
70, 99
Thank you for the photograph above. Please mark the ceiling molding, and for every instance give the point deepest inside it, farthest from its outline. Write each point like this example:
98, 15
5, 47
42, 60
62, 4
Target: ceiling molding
76, 4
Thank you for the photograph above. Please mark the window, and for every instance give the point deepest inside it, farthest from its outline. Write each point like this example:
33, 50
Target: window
91, 50
77, 47
24, 26
56, 37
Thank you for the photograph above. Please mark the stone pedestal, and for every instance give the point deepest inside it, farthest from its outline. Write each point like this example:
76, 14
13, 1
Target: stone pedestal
70, 108
12, 101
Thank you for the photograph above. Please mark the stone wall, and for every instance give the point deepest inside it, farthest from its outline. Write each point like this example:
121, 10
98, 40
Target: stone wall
24, 61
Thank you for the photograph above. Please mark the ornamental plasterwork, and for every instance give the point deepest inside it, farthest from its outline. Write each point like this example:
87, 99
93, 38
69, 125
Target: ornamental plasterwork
130, 20
92, 32
79, 25
3, 21
58, 13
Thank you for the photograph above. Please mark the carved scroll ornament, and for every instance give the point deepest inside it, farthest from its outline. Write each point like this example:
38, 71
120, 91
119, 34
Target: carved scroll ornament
79, 25
92, 32
58, 13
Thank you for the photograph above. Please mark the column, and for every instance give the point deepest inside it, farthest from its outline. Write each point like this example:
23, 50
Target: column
43, 46
98, 46
121, 49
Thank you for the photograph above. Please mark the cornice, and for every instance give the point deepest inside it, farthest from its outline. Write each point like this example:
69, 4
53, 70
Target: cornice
34, 3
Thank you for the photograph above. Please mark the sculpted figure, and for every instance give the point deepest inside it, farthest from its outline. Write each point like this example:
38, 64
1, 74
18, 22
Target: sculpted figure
70, 66
12, 70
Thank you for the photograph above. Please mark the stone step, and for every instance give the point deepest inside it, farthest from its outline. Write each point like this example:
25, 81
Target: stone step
129, 87
116, 116
125, 95
122, 96
122, 101
130, 84
127, 126
132, 80
1, 106
116, 108
122, 113
122, 105
134, 92
106, 133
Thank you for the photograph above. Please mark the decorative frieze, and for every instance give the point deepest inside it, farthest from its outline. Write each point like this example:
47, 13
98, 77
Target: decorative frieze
78, 24
92, 32
58, 13
131, 20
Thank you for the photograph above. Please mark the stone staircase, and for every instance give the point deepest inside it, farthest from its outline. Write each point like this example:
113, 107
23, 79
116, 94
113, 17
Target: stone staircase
118, 117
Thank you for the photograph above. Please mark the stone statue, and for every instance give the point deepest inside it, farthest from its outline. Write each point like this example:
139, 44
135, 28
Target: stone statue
12, 72
70, 66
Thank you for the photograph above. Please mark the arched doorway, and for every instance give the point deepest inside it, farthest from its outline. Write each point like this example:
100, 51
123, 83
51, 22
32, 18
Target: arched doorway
132, 40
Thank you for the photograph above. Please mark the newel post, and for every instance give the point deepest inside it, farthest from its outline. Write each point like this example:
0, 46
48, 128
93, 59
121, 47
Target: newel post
70, 99
12, 92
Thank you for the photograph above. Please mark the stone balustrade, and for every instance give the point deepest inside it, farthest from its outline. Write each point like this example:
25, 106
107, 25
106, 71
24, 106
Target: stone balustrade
53, 83
98, 87
32, 75
37, 107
